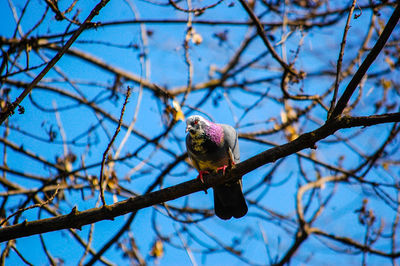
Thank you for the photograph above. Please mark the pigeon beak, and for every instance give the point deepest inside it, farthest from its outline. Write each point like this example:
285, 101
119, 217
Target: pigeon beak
190, 129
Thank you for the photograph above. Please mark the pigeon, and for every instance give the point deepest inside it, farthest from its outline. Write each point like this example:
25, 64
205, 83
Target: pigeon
214, 147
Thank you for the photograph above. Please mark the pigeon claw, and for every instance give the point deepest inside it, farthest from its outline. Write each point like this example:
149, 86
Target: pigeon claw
200, 177
223, 168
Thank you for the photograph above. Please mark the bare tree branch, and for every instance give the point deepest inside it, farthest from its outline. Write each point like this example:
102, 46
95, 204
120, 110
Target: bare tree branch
76, 219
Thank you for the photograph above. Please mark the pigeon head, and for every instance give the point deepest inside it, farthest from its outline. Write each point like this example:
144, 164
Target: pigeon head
196, 125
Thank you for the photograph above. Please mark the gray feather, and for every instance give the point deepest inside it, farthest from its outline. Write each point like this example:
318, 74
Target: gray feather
208, 155
231, 141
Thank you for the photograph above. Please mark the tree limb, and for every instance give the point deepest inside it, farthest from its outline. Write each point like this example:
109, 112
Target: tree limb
10, 109
76, 219
375, 51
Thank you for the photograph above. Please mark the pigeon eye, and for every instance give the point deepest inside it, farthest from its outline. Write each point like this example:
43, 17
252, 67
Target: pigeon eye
196, 122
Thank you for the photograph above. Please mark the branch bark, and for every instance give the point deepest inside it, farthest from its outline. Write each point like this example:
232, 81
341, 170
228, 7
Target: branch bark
76, 219
11, 108
261, 33
375, 51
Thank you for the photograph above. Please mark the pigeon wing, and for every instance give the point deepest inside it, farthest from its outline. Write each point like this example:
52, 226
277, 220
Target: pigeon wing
228, 198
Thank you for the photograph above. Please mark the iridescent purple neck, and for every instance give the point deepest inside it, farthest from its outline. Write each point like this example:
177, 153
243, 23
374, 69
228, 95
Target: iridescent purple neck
215, 133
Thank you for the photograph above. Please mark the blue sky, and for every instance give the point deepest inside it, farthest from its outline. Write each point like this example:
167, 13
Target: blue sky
166, 56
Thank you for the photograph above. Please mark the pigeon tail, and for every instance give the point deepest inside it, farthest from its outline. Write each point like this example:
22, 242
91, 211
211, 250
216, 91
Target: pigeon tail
229, 201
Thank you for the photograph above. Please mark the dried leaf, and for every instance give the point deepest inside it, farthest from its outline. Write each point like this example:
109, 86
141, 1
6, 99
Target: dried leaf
113, 181
94, 181
290, 130
386, 84
178, 115
382, 25
386, 166
221, 36
194, 36
390, 62
197, 39
157, 251
291, 133
175, 111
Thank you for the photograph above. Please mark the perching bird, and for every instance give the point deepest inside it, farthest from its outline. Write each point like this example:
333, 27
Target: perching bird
213, 147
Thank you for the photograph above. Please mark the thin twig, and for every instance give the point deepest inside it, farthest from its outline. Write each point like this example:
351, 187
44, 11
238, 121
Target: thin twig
10, 110
88, 243
102, 186
375, 51
31, 207
145, 71
195, 10
261, 33
20, 255
188, 36
187, 248
340, 59
76, 219
46, 251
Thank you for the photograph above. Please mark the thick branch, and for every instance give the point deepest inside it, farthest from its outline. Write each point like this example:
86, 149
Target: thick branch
261, 33
10, 109
77, 219
308, 140
375, 51
353, 243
